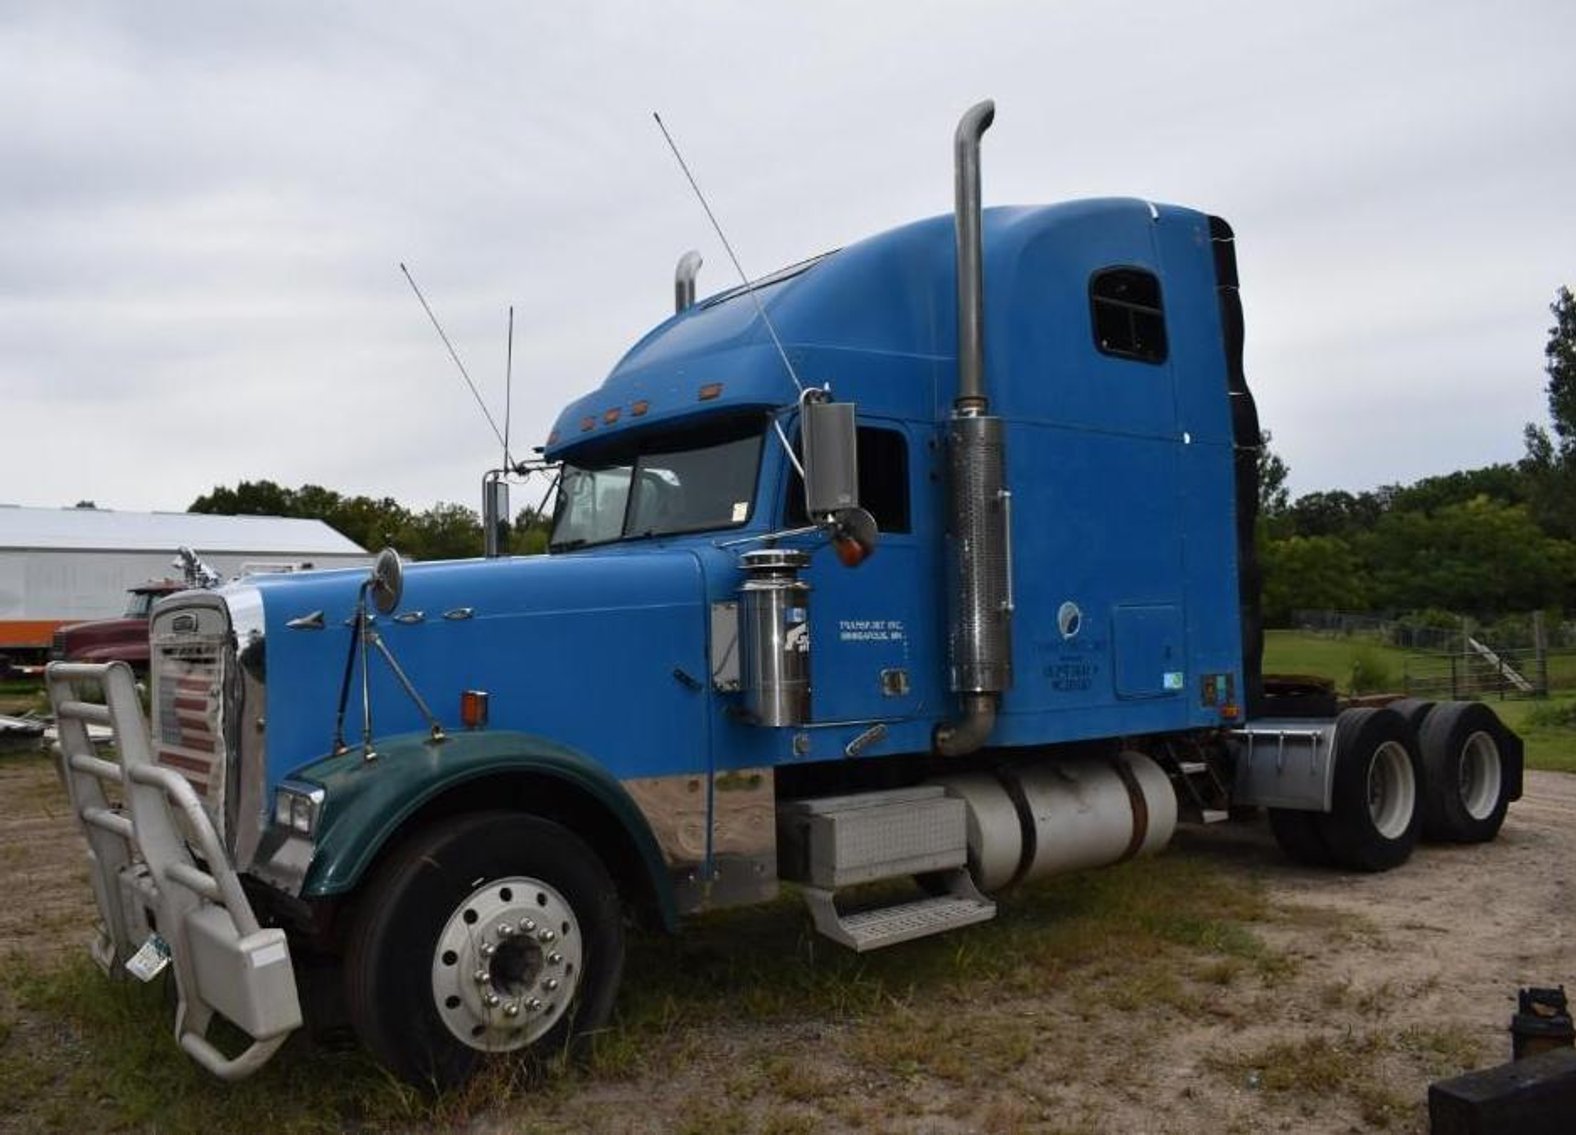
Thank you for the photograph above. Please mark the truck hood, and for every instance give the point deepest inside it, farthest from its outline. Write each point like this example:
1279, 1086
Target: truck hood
602, 653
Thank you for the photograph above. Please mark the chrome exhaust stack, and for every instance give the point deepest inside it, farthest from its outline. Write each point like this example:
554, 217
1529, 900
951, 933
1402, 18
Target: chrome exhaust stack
684, 280
980, 566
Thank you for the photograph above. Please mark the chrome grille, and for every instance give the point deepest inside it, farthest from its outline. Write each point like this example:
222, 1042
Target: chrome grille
189, 664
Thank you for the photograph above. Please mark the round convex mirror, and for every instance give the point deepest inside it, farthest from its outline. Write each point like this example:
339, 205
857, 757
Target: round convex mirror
388, 581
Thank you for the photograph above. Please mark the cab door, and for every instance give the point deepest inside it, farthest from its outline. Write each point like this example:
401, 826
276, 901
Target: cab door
872, 658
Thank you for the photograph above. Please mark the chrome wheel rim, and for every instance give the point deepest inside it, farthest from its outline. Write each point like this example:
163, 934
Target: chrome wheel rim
506, 964
1479, 776
1392, 790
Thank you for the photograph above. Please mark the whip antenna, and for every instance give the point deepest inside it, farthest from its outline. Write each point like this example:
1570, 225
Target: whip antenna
453, 354
744, 276
508, 391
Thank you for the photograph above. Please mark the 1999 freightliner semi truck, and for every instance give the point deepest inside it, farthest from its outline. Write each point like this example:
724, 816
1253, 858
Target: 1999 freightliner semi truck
712, 685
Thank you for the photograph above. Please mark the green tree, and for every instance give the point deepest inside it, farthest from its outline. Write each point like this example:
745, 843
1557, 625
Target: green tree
1311, 573
1481, 556
1550, 464
1273, 472
444, 532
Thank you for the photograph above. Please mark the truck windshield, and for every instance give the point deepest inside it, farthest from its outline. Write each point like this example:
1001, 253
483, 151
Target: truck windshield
696, 481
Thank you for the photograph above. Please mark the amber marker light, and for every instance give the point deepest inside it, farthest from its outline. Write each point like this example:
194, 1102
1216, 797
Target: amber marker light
473, 709
587, 423
639, 408
710, 390
552, 438
610, 416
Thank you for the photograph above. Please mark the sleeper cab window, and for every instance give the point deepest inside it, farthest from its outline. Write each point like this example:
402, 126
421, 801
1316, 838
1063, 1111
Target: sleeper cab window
1129, 323
883, 481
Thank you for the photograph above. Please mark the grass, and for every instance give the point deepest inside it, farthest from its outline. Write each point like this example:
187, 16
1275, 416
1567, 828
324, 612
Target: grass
1297, 652
1359, 1066
77, 1050
19, 697
1547, 726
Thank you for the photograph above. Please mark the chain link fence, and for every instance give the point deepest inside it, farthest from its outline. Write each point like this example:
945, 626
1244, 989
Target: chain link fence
1448, 656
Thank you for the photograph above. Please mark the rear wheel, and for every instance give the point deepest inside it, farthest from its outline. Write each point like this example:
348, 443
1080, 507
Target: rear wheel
490, 933
1469, 769
1299, 837
1375, 814
1414, 710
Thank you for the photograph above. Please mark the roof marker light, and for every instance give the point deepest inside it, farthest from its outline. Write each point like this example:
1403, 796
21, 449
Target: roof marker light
610, 416
710, 390
587, 423
639, 408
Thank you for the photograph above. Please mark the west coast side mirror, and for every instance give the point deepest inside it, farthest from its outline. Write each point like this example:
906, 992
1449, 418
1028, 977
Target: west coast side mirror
831, 456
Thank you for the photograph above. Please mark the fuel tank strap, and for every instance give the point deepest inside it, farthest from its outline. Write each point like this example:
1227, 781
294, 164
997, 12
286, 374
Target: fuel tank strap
1135, 795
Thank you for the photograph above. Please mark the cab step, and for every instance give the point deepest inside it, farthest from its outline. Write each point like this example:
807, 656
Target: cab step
903, 922
832, 842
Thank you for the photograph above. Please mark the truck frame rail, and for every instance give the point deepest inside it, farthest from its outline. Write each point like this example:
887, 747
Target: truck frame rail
163, 881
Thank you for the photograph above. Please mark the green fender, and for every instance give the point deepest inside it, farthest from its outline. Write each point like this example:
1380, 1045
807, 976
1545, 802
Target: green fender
366, 802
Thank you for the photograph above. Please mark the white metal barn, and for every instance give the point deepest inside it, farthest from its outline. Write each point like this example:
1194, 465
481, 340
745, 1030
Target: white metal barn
67, 565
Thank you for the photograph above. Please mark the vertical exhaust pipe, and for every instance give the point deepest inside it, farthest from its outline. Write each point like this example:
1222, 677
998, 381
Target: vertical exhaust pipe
684, 280
979, 567
971, 272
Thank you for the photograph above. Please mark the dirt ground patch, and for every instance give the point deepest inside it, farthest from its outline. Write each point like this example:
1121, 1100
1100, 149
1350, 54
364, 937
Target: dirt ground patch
1329, 1009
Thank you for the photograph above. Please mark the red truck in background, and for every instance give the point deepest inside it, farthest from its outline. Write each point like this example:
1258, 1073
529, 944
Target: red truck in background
116, 640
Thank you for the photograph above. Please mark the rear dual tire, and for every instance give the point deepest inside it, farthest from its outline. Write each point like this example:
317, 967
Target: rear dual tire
1375, 814
1473, 768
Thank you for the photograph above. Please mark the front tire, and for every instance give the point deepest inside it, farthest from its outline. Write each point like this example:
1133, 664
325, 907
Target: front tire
1375, 804
487, 933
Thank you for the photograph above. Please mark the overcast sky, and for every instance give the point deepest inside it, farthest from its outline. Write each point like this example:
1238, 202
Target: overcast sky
203, 207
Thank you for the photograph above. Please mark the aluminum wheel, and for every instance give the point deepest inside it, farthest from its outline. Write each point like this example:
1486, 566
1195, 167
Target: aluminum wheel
1392, 790
506, 964
1479, 776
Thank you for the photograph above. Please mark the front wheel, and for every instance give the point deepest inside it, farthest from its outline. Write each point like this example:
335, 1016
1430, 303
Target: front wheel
1375, 807
488, 933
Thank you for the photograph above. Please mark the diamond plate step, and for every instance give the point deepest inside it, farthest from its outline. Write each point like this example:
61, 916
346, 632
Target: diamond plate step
873, 929
962, 905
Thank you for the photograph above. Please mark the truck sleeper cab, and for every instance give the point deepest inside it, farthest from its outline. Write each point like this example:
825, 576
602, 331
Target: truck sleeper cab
457, 778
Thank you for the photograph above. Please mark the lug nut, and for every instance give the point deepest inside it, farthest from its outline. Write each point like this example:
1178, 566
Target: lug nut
546, 936
533, 1004
504, 930
550, 984
491, 1000
555, 959
479, 977
486, 950
512, 1009
527, 926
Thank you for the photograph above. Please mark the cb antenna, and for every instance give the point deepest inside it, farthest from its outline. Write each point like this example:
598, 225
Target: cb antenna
453, 354
749, 286
508, 392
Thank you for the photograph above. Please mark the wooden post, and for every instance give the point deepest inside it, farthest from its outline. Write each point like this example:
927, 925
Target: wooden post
1540, 650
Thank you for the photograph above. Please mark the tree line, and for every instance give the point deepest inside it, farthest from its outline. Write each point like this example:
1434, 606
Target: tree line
1482, 542
443, 532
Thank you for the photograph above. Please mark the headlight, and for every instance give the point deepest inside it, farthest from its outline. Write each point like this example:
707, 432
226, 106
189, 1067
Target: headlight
296, 806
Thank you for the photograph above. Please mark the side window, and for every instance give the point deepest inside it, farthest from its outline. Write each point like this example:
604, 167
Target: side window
883, 481
1124, 305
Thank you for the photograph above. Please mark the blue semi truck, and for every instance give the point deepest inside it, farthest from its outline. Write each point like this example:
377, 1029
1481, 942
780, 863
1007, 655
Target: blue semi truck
930, 558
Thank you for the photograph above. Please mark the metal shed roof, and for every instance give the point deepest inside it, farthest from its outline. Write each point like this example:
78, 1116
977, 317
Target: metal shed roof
102, 529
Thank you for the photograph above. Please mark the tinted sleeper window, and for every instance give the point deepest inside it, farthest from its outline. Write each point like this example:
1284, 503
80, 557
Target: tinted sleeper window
1128, 320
